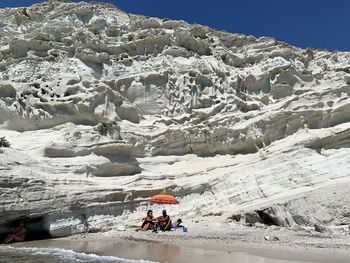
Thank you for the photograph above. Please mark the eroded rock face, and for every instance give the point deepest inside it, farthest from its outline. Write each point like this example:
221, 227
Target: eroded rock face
226, 122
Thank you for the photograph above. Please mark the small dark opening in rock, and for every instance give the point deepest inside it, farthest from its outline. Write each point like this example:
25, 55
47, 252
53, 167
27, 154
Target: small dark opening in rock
236, 218
35, 94
68, 93
36, 85
266, 219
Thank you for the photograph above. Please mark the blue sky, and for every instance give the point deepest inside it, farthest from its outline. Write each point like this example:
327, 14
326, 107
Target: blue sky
304, 23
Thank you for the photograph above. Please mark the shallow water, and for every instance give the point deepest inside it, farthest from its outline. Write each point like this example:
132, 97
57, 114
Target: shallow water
55, 255
127, 251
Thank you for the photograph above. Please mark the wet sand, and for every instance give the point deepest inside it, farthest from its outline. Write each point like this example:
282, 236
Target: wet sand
198, 253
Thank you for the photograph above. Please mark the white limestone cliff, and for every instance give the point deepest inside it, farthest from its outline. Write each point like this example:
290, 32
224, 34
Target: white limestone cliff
104, 109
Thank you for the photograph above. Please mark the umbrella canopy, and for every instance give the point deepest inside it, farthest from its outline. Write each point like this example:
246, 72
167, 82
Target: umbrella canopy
164, 199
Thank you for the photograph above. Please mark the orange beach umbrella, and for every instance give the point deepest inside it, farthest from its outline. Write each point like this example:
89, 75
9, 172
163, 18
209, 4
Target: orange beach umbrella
164, 199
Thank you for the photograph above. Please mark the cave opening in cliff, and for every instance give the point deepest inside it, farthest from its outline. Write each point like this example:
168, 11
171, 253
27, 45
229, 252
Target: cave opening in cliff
267, 219
34, 226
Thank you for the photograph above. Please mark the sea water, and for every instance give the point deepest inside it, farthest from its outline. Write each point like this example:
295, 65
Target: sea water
10, 254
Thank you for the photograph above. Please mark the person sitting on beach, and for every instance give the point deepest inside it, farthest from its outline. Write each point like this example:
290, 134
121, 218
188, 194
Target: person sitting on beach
177, 224
148, 223
164, 222
19, 236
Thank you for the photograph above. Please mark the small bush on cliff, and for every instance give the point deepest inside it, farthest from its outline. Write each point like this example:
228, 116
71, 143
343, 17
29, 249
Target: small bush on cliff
104, 128
4, 142
110, 129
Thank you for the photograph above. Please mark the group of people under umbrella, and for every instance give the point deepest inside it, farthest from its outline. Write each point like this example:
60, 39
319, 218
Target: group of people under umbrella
162, 222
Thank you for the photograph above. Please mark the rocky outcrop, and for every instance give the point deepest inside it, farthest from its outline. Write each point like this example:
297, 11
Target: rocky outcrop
104, 109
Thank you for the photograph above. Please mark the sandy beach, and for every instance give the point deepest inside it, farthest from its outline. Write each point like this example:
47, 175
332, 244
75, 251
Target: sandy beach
242, 244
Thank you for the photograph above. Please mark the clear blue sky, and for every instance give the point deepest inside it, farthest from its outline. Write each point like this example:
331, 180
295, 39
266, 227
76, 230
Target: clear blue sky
304, 23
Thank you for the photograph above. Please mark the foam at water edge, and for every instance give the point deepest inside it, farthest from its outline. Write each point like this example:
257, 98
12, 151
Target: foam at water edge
77, 256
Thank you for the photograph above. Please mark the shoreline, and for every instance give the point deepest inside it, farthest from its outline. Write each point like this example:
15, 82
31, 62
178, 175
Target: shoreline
205, 247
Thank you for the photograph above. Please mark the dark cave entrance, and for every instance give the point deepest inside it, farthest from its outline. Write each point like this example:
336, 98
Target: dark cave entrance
267, 219
35, 229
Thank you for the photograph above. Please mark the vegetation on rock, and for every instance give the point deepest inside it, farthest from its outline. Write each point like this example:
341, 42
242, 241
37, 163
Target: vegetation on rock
4, 142
109, 128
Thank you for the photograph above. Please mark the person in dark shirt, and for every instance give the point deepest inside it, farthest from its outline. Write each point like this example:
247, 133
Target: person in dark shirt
148, 222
